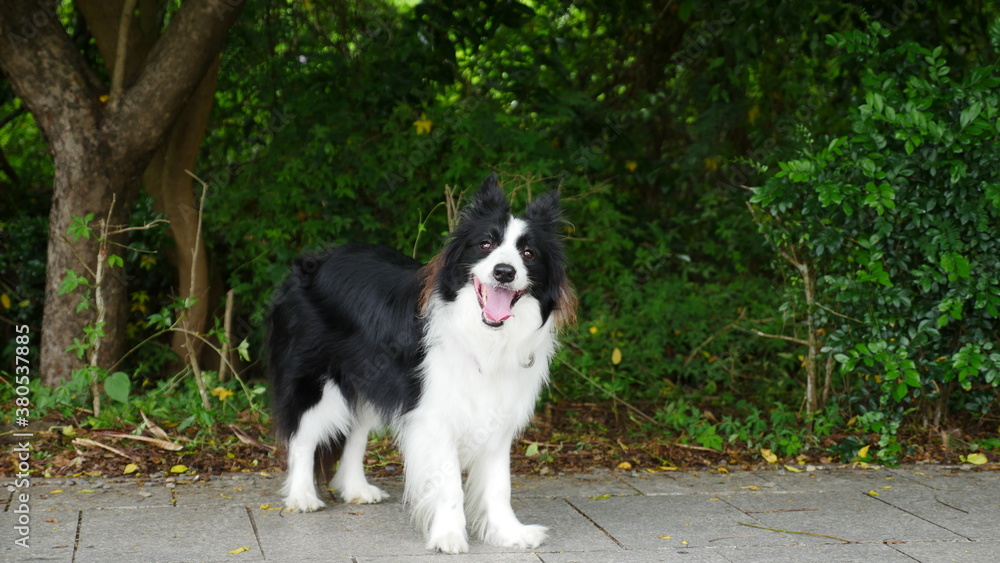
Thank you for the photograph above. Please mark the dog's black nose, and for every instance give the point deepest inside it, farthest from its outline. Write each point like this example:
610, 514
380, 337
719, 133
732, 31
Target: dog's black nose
504, 273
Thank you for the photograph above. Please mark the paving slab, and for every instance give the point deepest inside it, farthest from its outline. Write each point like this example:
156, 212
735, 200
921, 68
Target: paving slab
583, 485
843, 553
855, 517
935, 552
694, 555
972, 513
54, 498
673, 521
195, 533
689, 482
830, 480
51, 537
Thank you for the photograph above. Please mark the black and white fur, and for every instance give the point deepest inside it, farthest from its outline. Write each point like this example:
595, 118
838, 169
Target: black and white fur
450, 355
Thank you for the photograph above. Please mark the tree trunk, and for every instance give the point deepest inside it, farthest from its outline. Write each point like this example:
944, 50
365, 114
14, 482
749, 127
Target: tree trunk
62, 324
172, 189
99, 145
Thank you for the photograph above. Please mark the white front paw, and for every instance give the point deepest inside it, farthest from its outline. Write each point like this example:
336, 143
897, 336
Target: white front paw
449, 542
364, 494
523, 536
303, 502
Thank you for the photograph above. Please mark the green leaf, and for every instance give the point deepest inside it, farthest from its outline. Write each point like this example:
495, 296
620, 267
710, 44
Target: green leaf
970, 114
117, 386
531, 450
115, 261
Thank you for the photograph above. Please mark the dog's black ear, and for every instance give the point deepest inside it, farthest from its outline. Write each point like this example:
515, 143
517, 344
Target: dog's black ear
545, 211
490, 197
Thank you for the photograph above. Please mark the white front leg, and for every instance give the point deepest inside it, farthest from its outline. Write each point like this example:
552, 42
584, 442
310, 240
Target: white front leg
488, 491
434, 485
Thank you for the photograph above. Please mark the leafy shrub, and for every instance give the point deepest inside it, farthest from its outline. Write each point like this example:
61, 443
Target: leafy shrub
899, 221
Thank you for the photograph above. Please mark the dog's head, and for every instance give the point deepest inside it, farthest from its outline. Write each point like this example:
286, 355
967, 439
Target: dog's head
504, 258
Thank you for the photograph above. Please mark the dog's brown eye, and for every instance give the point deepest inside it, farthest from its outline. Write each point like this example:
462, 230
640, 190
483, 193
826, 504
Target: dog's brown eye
528, 254
486, 245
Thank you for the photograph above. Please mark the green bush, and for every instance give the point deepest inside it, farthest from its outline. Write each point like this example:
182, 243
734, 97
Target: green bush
898, 220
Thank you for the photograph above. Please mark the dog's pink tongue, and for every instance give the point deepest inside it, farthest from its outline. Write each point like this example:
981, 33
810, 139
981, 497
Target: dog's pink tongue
497, 306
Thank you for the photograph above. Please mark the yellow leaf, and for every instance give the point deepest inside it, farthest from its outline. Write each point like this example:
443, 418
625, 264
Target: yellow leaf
751, 488
178, 469
130, 468
722, 470
592, 330
863, 452
713, 499
793, 469
616, 356
84, 491
222, 393
55, 492
873, 493
240, 549
605, 496
664, 537
631, 165
423, 124
768, 455
684, 542
104, 98
976, 459
624, 465
5, 300
887, 487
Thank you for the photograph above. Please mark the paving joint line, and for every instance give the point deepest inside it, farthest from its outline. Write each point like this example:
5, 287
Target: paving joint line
256, 532
76, 538
903, 510
596, 525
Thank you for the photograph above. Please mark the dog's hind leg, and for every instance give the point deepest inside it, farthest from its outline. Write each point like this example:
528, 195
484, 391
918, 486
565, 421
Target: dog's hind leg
349, 481
324, 422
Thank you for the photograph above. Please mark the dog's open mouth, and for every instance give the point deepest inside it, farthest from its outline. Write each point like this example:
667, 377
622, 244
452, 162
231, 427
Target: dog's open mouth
496, 302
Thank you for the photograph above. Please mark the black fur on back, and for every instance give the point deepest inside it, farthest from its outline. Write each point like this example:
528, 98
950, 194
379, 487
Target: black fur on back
350, 309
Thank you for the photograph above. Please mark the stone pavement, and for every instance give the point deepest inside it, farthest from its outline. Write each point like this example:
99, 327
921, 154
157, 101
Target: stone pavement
928, 514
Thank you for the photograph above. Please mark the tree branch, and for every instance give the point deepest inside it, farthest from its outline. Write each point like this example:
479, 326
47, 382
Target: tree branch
47, 70
173, 70
118, 75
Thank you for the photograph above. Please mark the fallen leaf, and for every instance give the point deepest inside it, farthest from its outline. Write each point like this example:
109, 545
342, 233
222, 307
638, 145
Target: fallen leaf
863, 452
713, 499
664, 537
751, 488
768, 455
793, 469
130, 468
240, 549
53, 521
178, 469
84, 491
55, 492
873, 493
600, 497
154, 429
976, 459
722, 470
624, 465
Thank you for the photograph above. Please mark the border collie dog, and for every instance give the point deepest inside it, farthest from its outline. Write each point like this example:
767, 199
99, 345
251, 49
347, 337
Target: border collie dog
450, 355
